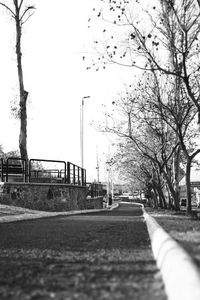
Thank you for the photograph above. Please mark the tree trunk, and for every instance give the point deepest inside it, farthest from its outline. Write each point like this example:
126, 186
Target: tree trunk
161, 197
176, 171
23, 93
170, 202
173, 193
188, 186
23, 129
154, 197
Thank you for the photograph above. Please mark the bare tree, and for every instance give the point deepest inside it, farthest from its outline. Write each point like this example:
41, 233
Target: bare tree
158, 118
164, 42
165, 32
173, 106
141, 171
21, 13
148, 136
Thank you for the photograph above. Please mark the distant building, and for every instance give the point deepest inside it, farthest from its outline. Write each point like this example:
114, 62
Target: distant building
195, 187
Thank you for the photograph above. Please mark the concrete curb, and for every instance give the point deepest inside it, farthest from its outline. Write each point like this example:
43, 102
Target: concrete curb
180, 274
30, 215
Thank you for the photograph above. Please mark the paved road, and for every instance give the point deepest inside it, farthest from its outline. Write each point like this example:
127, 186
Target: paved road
96, 256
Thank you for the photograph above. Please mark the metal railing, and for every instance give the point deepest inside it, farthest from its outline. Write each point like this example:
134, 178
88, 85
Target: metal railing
76, 174
14, 167
35, 171
38, 174
2, 179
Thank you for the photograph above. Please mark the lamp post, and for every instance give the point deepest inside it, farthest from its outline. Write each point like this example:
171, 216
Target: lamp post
82, 129
110, 187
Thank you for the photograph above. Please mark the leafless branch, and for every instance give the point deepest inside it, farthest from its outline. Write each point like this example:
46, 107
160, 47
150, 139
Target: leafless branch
20, 5
25, 12
8, 8
27, 18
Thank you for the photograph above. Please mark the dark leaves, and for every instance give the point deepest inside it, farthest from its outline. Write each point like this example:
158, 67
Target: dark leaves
155, 43
132, 36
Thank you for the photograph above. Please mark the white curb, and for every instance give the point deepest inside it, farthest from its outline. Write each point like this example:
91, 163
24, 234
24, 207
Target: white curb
180, 275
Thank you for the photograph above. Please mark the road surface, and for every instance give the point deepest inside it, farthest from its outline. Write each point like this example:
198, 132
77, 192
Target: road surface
98, 256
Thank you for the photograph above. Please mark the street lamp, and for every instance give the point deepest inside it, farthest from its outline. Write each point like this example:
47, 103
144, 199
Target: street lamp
82, 129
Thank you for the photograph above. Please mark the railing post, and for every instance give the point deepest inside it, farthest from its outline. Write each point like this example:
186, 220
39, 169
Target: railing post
65, 172
25, 169
29, 171
7, 170
78, 176
74, 174
84, 177
68, 173
2, 179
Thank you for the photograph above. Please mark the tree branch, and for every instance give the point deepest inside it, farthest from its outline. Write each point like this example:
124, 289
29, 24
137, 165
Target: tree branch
24, 13
21, 4
8, 8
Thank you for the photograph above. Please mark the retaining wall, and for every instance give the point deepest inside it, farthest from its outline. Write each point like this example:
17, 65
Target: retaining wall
47, 197
95, 203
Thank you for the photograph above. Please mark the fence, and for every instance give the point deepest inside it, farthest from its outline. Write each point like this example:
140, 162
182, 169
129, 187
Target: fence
96, 190
34, 170
14, 167
38, 172
77, 175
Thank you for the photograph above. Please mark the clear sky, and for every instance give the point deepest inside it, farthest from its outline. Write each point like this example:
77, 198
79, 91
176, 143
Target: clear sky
54, 40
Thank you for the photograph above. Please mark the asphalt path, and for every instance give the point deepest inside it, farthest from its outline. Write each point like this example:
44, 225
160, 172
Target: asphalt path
104, 255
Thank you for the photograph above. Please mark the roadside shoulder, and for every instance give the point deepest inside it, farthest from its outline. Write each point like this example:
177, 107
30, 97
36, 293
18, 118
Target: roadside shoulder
13, 214
180, 274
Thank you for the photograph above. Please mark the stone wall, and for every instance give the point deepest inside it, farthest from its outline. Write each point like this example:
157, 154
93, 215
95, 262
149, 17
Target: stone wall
47, 197
95, 202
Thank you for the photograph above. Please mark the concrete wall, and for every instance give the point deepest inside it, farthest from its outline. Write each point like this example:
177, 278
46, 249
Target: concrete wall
48, 197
